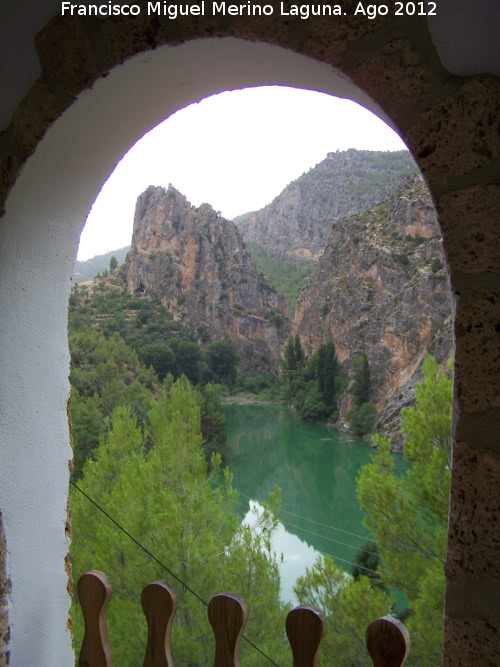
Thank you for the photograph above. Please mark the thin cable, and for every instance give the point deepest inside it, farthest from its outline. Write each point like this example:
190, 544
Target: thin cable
323, 553
310, 532
330, 539
297, 516
137, 543
324, 525
162, 565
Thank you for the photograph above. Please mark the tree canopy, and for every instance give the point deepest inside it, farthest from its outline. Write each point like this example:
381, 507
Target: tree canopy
106, 373
154, 482
409, 515
312, 383
363, 414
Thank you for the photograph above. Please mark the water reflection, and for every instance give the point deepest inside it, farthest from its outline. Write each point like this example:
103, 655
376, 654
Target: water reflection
297, 554
315, 467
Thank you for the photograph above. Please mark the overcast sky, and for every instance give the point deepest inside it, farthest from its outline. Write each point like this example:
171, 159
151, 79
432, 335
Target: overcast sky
236, 151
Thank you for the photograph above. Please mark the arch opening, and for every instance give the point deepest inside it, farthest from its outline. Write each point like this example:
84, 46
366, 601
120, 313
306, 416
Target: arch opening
44, 216
46, 210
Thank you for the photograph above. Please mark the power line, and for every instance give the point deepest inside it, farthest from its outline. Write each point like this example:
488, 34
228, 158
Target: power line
323, 553
310, 532
162, 565
324, 525
330, 539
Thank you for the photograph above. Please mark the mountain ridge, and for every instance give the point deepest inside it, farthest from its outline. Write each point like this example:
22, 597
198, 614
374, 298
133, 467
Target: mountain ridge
87, 269
382, 289
377, 286
296, 225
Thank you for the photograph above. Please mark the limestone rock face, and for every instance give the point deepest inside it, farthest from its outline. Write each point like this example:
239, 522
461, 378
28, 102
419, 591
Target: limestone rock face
382, 288
196, 263
296, 225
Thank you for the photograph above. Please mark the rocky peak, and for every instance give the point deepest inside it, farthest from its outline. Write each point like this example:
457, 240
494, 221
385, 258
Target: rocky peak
196, 263
382, 288
296, 224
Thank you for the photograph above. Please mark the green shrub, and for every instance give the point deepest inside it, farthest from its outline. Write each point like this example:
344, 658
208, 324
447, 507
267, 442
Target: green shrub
363, 419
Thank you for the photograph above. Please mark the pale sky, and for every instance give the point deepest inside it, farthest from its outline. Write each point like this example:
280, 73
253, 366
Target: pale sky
236, 151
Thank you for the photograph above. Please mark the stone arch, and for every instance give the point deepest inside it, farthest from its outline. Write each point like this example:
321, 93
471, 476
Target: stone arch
55, 155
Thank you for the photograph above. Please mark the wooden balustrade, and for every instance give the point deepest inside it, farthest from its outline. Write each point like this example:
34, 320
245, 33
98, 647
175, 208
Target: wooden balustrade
387, 639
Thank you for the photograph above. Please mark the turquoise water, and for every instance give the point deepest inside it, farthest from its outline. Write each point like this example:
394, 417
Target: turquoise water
315, 467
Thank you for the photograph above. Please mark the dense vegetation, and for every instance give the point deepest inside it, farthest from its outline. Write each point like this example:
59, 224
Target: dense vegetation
408, 518
312, 384
105, 304
148, 430
153, 480
149, 328
106, 373
150, 474
123, 348
363, 414
286, 277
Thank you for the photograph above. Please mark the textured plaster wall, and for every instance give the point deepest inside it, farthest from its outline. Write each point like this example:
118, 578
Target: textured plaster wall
449, 123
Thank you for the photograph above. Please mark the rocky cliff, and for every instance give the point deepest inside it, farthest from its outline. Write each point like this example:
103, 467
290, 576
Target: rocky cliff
382, 288
196, 263
296, 225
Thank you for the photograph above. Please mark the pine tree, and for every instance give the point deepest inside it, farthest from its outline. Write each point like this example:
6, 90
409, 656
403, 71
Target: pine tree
326, 371
362, 381
363, 414
290, 356
223, 358
349, 605
154, 482
408, 516
299, 352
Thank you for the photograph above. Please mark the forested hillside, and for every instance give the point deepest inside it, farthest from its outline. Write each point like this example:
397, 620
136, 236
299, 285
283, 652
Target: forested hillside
153, 478
89, 268
123, 348
287, 277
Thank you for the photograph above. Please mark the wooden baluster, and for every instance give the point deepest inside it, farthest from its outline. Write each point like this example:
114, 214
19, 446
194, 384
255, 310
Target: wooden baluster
94, 594
159, 602
227, 614
388, 642
305, 629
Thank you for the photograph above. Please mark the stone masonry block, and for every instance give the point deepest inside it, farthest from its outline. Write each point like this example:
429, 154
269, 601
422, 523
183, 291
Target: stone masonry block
469, 220
70, 63
399, 76
477, 345
470, 643
459, 134
31, 119
474, 523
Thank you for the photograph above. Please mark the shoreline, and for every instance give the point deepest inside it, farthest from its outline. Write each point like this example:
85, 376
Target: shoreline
246, 400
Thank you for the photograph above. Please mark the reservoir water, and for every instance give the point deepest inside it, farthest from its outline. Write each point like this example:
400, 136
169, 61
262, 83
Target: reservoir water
315, 467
